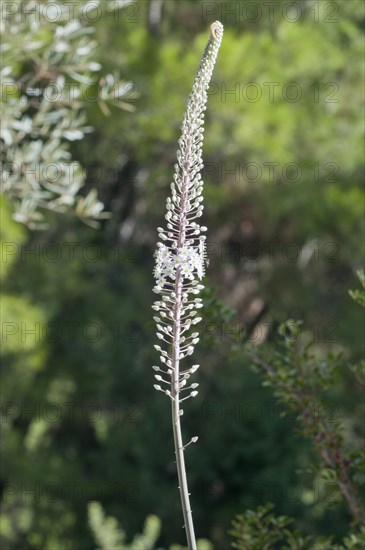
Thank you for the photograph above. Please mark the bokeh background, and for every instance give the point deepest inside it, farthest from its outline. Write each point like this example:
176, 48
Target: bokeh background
284, 209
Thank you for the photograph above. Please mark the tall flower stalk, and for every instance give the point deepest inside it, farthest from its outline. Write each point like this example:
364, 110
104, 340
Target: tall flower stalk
180, 265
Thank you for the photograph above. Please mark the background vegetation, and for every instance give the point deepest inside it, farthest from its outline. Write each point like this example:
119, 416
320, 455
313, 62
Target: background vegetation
92, 101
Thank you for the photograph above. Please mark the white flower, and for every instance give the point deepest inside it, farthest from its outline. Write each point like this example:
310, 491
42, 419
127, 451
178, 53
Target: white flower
187, 270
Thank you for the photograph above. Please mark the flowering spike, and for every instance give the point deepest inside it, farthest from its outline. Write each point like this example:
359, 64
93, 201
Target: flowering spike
180, 261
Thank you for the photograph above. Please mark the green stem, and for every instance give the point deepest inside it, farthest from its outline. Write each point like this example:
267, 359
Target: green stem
178, 443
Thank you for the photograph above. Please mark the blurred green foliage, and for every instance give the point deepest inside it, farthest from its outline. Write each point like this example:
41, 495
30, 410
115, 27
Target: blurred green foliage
262, 530
284, 196
108, 535
359, 294
47, 80
305, 381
